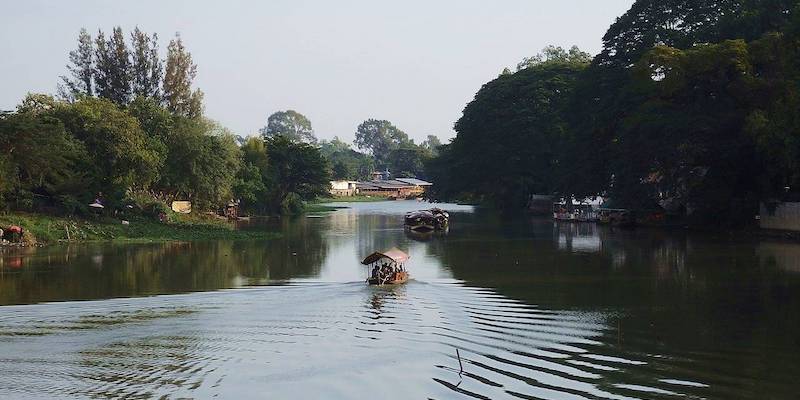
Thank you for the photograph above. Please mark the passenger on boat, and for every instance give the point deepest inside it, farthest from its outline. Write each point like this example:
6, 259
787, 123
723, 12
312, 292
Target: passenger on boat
375, 271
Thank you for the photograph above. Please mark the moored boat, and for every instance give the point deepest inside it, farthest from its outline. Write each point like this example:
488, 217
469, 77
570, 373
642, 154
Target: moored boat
387, 268
434, 219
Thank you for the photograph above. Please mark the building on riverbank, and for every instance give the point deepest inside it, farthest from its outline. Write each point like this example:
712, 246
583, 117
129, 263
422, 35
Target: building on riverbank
389, 188
399, 188
344, 188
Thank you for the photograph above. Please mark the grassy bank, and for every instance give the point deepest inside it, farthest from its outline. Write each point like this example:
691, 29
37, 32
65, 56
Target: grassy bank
47, 229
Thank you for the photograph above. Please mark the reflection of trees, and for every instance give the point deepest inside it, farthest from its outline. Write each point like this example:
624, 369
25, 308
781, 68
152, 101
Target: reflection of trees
780, 255
421, 236
378, 232
299, 252
687, 293
108, 270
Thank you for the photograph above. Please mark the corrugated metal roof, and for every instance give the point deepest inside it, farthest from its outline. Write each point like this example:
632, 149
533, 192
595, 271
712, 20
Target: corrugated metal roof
414, 181
390, 185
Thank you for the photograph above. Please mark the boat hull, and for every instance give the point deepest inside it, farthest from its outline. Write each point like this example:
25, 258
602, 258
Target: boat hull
397, 279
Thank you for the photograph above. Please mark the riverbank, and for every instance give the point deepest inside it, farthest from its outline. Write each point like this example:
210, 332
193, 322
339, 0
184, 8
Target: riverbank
44, 229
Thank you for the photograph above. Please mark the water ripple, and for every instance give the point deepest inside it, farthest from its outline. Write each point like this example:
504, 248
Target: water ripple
340, 339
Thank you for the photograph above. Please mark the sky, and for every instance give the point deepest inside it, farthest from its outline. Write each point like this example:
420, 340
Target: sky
415, 63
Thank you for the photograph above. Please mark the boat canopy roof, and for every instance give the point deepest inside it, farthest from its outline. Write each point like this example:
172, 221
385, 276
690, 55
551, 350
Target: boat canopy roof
393, 254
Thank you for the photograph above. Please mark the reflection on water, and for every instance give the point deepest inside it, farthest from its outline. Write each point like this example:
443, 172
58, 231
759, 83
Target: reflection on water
537, 311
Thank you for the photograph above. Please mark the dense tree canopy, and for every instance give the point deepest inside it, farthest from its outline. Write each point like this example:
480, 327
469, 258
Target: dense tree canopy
345, 162
511, 136
690, 107
379, 138
297, 171
290, 124
38, 161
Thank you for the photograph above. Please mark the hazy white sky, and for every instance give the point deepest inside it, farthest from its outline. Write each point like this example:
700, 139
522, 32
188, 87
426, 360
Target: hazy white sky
413, 62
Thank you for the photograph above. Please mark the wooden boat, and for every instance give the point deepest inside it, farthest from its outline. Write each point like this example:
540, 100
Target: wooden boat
386, 268
434, 219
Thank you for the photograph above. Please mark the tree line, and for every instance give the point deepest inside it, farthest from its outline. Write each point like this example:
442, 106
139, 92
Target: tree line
127, 128
382, 146
691, 107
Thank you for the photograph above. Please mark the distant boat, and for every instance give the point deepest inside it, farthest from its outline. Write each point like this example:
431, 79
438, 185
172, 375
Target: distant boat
434, 219
386, 268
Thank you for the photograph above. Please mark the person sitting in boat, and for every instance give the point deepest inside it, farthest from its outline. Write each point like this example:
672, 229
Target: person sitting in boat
375, 271
386, 272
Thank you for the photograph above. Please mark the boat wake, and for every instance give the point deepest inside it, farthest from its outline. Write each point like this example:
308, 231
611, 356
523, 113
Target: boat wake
303, 339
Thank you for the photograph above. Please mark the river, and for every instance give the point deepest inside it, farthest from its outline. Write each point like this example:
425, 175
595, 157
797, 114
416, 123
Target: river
536, 310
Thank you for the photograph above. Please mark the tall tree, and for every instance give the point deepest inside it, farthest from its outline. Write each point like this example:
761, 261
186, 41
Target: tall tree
556, 54
120, 155
81, 69
432, 144
290, 124
346, 163
178, 77
379, 138
509, 142
38, 158
201, 164
113, 69
408, 161
146, 67
296, 170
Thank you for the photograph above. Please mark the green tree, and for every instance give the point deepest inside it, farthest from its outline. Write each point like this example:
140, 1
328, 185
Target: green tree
431, 144
200, 166
156, 122
379, 138
81, 70
296, 171
408, 161
39, 159
290, 124
146, 67
509, 142
120, 155
336, 145
346, 163
341, 171
113, 67
556, 54
250, 186
178, 77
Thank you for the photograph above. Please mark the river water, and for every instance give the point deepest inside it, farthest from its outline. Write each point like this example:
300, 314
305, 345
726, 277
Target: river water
536, 310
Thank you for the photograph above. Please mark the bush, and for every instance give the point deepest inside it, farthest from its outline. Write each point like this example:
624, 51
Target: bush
146, 204
293, 204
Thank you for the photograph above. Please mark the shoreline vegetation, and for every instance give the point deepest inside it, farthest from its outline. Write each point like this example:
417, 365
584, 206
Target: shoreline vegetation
689, 110
42, 229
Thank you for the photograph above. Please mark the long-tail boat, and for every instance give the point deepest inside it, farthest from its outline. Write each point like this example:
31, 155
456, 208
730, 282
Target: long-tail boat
434, 219
387, 267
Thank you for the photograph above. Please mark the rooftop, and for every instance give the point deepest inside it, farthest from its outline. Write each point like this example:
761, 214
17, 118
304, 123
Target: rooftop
414, 181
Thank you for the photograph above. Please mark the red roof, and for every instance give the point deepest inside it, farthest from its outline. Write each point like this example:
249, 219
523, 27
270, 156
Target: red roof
394, 254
